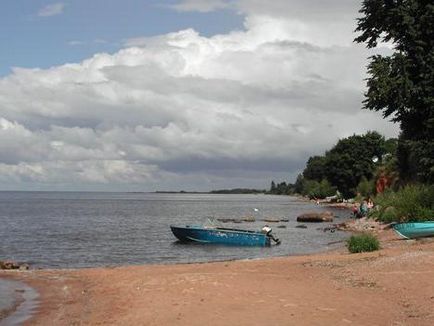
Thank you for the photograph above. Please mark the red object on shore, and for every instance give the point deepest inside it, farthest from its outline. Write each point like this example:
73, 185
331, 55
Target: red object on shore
381, 184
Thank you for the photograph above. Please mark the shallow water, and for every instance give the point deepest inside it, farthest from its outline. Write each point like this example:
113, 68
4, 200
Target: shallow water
10, 292
73, 229
7, 295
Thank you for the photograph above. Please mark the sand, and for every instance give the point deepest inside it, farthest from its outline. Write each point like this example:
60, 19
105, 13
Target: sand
393, 286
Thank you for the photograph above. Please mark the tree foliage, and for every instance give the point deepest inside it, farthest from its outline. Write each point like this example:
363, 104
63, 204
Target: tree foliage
352, 165
347, 162
401, 85
315, 168
353, 158
281, 188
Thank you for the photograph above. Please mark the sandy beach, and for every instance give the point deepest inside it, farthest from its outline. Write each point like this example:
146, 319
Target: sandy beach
393, 286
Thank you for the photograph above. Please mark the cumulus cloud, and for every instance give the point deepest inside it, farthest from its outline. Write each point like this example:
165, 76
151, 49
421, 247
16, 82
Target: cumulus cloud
184, 111
51, 10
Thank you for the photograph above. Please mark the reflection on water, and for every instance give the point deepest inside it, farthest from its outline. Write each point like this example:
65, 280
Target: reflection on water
68, 230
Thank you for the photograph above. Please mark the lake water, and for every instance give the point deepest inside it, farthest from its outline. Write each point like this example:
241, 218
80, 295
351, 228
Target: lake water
76, 230
11, 293
79, 229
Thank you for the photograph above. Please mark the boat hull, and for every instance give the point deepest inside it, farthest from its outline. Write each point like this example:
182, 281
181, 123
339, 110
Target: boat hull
224, 236
414, 230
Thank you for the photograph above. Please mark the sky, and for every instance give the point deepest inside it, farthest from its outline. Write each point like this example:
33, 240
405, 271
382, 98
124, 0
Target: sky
192, 95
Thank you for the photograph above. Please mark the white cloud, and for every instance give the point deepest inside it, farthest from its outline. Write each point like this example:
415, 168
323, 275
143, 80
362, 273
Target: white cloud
183, 111
52, 10
75, 43
202, 5
95, 42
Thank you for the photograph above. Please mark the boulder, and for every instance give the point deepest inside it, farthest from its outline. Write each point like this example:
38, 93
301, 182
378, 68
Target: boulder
248, 219
316, 217
271, 220
24, 267
9, 264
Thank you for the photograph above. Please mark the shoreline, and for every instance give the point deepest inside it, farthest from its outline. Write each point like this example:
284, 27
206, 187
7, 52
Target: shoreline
23, 304
390, 286
11, 308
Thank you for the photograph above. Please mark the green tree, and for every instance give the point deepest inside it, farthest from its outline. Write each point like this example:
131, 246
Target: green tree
351, 159
366, 187
401, 85
282, 188
273, 187
315, 168
299, 184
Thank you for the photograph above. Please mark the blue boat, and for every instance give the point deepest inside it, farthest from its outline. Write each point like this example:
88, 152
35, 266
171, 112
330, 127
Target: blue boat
414, 230
222, 235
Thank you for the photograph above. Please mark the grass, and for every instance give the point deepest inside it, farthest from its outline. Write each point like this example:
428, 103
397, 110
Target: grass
363, 243
413, 203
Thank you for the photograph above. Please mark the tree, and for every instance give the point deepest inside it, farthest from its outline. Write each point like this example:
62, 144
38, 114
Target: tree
351, 159
299, 184
315, 168
401, 85
273, 187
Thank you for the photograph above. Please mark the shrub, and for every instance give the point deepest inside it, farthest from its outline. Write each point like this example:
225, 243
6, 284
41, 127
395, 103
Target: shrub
366, 187
409, 204
363, 243
389, 215
315, 189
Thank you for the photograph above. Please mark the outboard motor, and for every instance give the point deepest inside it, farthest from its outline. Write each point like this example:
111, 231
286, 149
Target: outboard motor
269, 233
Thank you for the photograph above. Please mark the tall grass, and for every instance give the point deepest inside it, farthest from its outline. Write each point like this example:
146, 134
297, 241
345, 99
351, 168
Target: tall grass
363, 243
410, 204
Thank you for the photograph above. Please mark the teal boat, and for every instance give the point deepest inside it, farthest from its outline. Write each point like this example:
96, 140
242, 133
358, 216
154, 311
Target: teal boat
217, 235
414, 230
212, 232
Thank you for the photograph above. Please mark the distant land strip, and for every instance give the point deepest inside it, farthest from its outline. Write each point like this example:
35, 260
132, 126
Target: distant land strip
220, 191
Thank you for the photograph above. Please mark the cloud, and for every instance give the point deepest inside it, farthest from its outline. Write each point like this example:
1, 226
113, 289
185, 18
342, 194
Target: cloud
184, 111
95, 42
202, 5
75, 43
51, 10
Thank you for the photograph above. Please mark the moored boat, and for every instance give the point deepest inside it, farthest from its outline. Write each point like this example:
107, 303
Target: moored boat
413, 230
222, 235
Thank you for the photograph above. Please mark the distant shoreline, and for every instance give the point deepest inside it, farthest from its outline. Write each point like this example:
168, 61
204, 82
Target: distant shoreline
236, 191
220, 191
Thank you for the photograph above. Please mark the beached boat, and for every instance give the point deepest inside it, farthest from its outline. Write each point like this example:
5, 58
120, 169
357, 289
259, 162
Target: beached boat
222, 235
415, 229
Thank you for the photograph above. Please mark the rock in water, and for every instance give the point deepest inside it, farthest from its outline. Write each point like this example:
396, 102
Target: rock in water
316, 217
9, 264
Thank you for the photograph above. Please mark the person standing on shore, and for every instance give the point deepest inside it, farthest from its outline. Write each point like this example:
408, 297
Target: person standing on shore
363, 210
355, 209
370, 203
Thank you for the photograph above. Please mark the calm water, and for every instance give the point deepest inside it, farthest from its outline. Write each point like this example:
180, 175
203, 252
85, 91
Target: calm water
10, 291
70, 230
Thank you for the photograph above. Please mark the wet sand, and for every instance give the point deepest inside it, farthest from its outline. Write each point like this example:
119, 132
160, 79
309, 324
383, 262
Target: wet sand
393, 286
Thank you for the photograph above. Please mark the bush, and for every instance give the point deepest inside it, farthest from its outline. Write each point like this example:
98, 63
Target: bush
363, 243
410, 204
366, 187
315, 189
